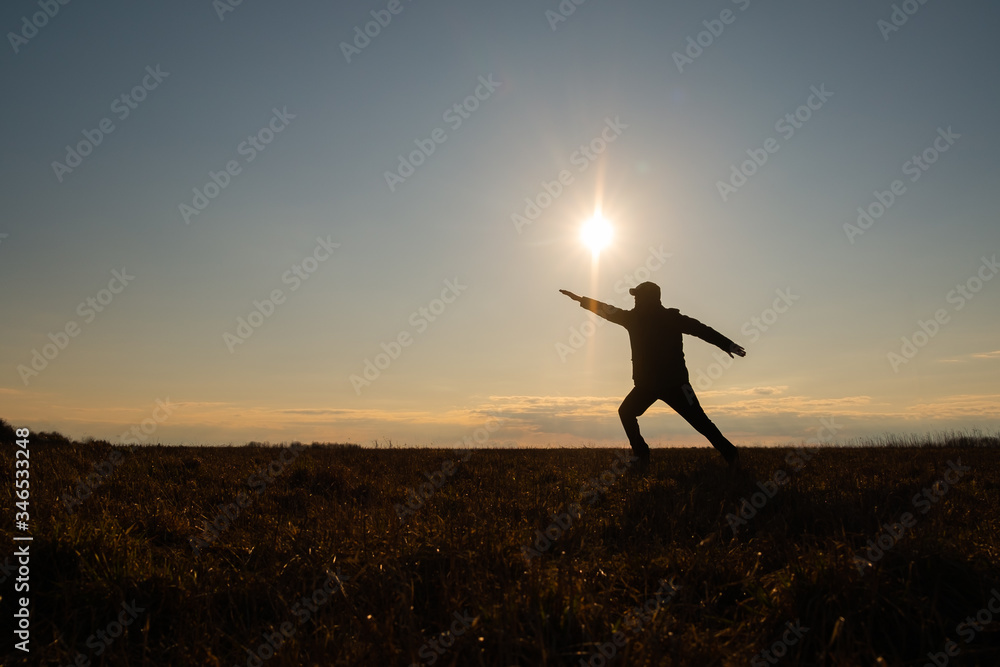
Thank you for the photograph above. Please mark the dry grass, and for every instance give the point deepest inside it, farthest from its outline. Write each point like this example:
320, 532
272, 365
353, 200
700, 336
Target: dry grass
332, 509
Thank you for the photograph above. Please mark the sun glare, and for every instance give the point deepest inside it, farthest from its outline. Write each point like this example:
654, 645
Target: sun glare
596, 233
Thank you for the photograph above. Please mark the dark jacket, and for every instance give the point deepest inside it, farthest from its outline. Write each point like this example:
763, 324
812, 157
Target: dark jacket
655, 335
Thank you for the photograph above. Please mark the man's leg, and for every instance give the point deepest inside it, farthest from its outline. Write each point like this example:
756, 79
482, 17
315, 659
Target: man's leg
682, 399
637, 402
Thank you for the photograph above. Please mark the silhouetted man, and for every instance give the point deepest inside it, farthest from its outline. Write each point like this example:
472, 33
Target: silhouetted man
658, 368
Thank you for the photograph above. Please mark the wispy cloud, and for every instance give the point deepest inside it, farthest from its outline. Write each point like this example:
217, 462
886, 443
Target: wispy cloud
965, 358
747, 414
966, 406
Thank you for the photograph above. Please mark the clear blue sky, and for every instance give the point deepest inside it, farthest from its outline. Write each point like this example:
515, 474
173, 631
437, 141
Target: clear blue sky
500, 341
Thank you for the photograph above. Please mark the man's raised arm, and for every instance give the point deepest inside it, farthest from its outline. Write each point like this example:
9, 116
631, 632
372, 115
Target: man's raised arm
607, 311
691, 326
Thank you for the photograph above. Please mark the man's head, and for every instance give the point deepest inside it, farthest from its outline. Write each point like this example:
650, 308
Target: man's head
646, 293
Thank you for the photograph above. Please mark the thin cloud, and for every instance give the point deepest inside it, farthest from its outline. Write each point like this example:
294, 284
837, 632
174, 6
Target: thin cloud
968, 357
978, 406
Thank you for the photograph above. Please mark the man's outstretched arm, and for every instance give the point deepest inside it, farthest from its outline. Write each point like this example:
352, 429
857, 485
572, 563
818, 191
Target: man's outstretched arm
691, 326
607, 311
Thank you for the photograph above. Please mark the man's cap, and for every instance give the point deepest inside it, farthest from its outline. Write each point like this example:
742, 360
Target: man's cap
646, 289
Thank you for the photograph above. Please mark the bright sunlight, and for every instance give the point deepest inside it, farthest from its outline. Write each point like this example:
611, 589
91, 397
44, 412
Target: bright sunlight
596, 233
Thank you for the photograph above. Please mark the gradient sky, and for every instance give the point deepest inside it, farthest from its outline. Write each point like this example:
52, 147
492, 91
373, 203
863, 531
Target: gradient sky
889, 94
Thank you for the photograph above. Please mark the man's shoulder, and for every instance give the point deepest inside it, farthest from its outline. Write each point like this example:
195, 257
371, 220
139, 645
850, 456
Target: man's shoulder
670, 314
654, 312
672, 318
661, 316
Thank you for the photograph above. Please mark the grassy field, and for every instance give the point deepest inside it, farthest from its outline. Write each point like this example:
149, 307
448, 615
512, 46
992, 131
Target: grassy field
538, 557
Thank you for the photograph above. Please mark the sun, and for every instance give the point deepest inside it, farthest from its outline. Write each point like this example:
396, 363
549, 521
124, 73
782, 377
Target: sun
596, 233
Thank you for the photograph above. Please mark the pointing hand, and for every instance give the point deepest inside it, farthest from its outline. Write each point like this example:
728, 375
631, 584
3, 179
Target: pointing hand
737, 350
571, 295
